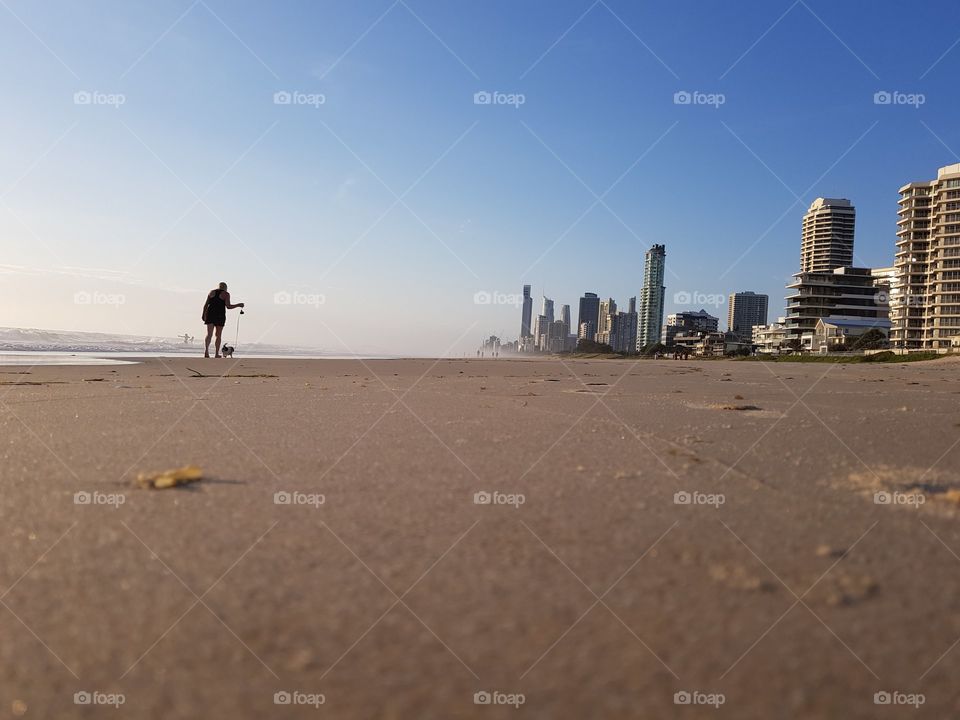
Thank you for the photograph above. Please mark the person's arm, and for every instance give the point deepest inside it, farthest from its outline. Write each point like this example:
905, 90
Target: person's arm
206, 304
226, 300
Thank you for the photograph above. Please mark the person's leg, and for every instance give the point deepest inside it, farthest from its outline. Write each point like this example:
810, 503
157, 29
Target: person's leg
219, 332
206, 344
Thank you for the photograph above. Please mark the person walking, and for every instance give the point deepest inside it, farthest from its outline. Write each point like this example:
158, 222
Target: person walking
215, 316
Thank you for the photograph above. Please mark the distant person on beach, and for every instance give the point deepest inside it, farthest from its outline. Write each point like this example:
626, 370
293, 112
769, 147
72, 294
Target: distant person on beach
215, 315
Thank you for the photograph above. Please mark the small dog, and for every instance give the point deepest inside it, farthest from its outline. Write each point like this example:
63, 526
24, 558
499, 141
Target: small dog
227, 351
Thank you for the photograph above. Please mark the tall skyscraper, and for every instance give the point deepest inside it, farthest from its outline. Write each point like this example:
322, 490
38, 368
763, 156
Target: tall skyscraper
745, 310
606, 322
587, 318
925, 307
565, 316
827, 240
547, 310
526, 314
650, 314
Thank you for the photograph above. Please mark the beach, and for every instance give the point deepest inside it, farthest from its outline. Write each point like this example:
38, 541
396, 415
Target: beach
568, 538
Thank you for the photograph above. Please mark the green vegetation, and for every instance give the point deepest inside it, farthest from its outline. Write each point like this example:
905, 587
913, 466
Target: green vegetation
591, 346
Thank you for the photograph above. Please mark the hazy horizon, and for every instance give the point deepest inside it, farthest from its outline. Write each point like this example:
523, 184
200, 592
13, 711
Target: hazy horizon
340, 167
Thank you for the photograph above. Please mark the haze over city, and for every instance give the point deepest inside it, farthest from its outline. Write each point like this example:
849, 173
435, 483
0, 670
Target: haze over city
344, 156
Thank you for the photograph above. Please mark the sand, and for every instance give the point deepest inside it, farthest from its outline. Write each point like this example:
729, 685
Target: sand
584, 589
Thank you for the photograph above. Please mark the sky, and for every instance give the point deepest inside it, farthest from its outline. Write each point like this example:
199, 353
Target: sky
383, 176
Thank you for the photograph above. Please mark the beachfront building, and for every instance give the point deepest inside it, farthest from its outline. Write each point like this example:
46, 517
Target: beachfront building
744, 310
771, 339
526, 314
650, 311
845, 293
625, 340
587, 318
607, 321
926, 310
688, 324
832, 335
827, 235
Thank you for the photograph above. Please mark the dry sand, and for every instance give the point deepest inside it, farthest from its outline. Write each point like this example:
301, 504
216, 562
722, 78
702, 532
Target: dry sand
399, 597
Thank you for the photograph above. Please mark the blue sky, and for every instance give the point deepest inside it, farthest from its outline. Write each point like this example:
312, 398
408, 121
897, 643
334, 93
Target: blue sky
397, 199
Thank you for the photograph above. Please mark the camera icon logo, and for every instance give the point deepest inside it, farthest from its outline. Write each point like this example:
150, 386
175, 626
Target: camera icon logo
882, 97
282, 97
82, 698
881, 698
482, 98
82, 97
82, 498
682, 497
482, 698
482, 498
882, 497
682, 97
282, 298
282, 498
282, 697
682, 298
681, 697
482, 298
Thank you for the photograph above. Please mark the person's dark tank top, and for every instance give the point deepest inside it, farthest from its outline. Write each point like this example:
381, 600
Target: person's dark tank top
215, 304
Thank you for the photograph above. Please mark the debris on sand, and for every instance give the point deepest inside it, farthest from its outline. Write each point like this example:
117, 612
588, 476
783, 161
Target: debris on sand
738, 407
170, 478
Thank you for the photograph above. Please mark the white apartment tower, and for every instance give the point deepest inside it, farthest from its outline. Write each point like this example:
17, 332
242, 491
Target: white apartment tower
650, 311
827, 240
925, 310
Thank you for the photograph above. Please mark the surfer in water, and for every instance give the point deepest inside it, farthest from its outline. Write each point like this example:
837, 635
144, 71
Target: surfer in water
215, 315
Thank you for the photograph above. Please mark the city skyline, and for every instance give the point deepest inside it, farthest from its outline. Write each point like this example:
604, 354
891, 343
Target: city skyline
161, 149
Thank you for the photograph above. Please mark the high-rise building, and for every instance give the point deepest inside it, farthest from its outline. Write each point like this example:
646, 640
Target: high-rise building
527, 312
605, 322
745, 310
587, 318
565, 317
827, 240
846, 293
547, 310
540, 331
688, 323
626, 337
925, 298
650, 313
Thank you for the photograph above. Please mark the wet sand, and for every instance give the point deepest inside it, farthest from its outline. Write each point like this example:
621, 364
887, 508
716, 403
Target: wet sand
584, 585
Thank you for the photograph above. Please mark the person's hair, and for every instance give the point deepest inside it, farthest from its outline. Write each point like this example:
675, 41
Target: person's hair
223, 286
